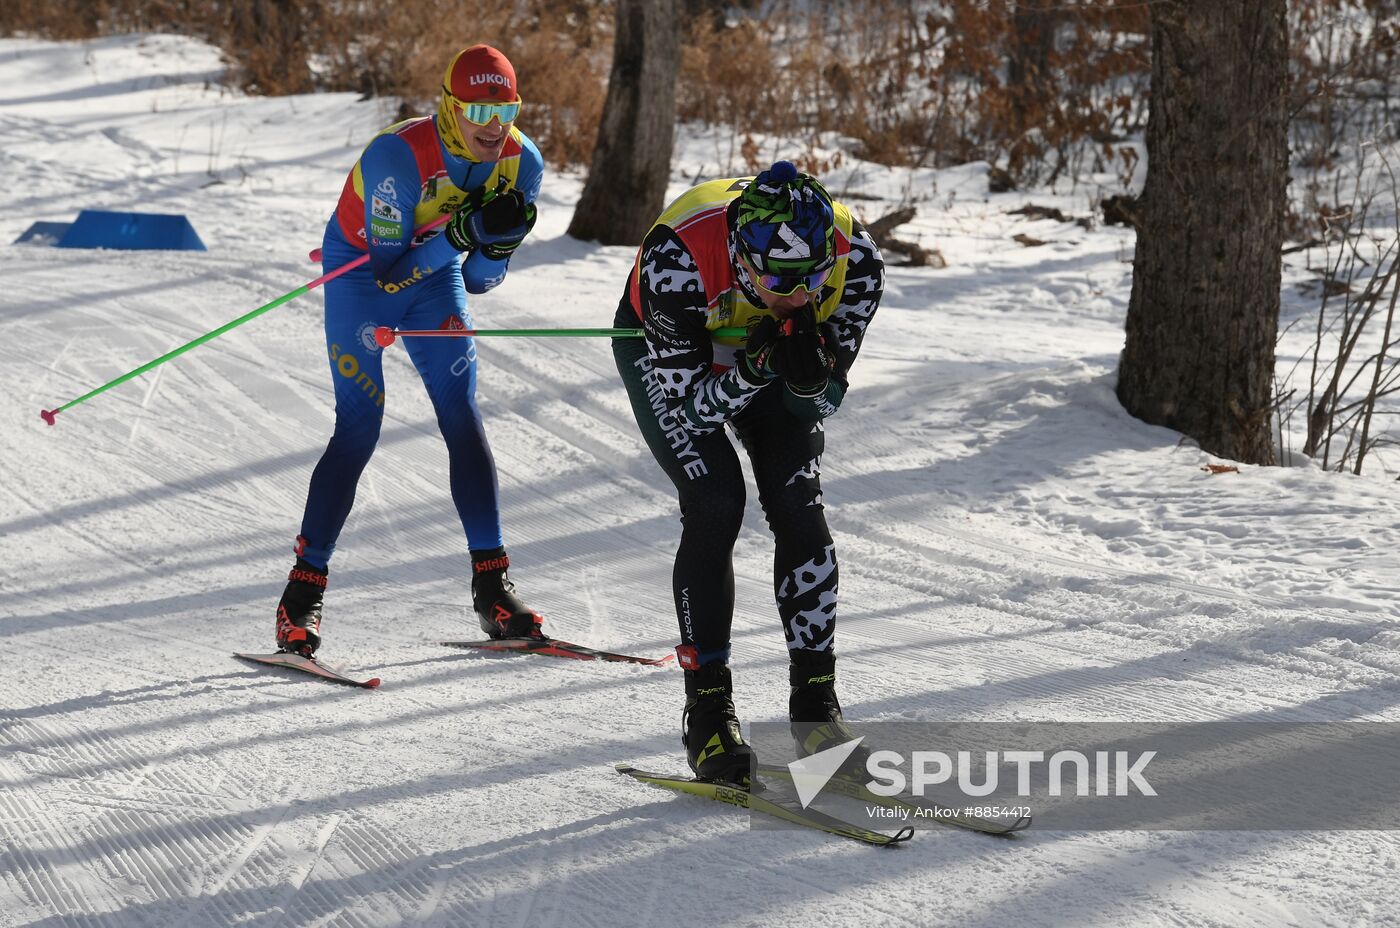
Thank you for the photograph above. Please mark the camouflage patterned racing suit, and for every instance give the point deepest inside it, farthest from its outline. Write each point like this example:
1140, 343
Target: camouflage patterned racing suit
683, 389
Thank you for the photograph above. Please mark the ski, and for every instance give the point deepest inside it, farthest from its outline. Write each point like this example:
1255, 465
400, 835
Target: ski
308, 665
755, 802
912, 805
556, 648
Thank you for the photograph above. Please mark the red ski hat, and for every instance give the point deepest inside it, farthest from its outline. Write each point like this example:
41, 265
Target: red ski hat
479, 74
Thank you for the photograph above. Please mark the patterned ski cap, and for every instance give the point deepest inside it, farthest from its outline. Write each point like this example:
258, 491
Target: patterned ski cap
784, 222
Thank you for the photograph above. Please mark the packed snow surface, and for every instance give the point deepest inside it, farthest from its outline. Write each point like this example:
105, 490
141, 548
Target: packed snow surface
1013, 545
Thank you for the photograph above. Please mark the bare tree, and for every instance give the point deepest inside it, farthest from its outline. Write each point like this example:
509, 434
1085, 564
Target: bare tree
1028, 77
1206, 276
626, 185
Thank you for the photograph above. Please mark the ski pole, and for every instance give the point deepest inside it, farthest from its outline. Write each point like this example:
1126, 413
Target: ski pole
385, 336
48, 414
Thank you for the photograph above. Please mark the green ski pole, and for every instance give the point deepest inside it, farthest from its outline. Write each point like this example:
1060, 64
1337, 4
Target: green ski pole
48, 415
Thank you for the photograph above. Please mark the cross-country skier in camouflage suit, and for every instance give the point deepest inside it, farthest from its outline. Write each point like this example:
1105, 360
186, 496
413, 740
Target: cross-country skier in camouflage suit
776, 255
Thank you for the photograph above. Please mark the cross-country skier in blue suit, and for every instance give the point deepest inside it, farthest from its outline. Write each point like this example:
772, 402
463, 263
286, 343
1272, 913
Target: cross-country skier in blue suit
467, 160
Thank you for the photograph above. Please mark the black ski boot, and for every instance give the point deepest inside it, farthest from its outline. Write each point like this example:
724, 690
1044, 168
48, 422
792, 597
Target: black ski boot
710, 732
299, 612
814, 711
500, 611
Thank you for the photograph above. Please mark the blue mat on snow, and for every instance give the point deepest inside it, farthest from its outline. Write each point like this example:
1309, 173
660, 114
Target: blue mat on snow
95, 228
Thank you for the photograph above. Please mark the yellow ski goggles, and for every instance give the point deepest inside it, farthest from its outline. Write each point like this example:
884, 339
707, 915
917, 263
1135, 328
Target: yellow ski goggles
479, 114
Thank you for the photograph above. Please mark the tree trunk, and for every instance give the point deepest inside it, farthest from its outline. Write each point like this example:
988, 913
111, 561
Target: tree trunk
268, 40
1028, 78
1203, 315
626, 186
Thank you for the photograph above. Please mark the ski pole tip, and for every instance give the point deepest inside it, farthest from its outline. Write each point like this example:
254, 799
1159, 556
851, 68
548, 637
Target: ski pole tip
47, 415
384, 336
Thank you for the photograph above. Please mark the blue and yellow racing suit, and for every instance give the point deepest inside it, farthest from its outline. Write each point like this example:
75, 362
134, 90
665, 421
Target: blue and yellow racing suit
405, 178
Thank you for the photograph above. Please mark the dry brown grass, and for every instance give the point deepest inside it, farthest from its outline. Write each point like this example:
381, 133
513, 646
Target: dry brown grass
561, 50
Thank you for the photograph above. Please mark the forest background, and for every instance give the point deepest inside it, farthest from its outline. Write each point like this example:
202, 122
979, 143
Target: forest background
1041, 90
1048, 94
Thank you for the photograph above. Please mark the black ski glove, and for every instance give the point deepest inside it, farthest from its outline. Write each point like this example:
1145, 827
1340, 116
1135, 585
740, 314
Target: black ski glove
493, 224
753, 365
801, 357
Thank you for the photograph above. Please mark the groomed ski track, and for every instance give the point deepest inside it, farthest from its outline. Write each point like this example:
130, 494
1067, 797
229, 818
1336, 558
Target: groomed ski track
1012, 545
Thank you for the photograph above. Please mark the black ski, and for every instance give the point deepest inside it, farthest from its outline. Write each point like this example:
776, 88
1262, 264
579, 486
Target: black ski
556, 648
756, 802
308, 665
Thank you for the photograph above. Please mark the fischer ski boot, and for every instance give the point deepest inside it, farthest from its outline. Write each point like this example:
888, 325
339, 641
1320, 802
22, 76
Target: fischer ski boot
710, 732
814, 712
500, 611
299, 612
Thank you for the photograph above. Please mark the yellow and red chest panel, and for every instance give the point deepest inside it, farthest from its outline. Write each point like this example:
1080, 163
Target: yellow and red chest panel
437, 193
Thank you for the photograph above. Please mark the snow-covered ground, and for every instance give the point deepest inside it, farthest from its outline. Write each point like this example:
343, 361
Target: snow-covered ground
1014, 547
